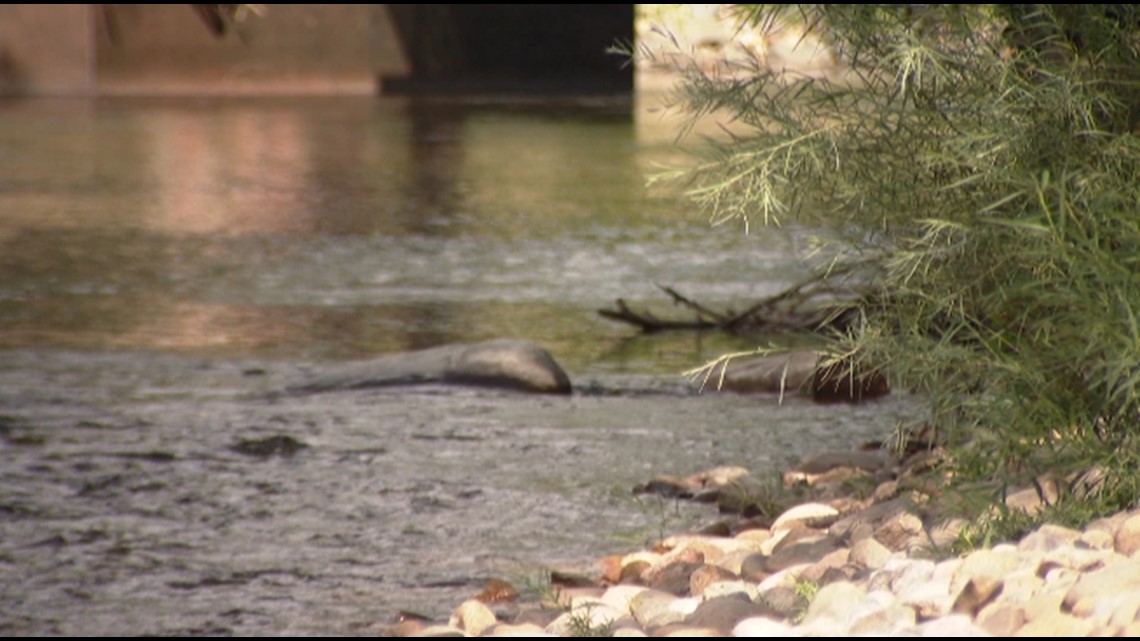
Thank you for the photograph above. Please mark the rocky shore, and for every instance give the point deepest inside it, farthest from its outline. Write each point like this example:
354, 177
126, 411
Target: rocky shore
863, 557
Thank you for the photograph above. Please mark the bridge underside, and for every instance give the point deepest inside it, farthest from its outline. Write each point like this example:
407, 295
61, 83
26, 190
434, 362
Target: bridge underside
552, 47
125, 49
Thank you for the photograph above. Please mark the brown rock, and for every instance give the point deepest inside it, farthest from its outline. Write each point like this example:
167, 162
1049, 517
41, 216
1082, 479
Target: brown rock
632, 572
497, 591
673, 578
784, 601
706, 575
871, 517
611, 568
885, 491
979, 592
831, 561
900, 532
723, 613
800, 551
787, 373
867, 460
754, 567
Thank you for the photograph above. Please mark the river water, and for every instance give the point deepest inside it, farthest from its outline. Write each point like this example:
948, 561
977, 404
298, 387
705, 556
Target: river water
164, 263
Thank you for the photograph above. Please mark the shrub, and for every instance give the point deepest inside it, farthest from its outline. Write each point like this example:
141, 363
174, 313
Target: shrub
978, 167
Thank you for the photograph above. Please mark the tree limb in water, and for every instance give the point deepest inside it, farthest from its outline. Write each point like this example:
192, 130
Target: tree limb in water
812, 305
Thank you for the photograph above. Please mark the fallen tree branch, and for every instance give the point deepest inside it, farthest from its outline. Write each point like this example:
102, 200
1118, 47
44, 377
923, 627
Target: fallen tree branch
815, 304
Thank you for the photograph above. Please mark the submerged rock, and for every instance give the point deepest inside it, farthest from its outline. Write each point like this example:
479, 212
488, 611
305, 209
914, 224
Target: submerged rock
280, 445
505, 363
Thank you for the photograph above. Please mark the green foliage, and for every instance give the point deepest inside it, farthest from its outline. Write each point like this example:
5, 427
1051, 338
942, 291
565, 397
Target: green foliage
978, 166
581, 624
805, 594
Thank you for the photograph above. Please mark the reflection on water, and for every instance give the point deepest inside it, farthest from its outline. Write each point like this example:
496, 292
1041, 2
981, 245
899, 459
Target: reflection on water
351, 227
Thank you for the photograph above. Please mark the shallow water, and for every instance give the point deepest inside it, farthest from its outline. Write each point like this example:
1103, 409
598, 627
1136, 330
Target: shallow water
163, 263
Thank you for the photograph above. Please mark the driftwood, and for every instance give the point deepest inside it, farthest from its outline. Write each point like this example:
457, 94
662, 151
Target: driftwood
816, 304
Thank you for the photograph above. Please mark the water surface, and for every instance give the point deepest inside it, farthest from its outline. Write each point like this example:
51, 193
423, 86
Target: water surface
163, 263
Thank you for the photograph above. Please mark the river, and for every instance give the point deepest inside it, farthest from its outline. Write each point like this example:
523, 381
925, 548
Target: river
164, 263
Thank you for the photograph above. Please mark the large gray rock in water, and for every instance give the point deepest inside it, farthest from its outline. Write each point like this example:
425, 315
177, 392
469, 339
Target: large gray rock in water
789, 373
803, 372
512, 364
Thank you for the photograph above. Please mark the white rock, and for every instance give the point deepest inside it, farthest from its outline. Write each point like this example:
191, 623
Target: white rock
815, 515
761, 627
618, 596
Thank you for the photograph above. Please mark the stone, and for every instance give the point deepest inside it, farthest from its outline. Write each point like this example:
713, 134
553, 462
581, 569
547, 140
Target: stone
504, 363
1055, 624
784, 601
753, 538
611, 568
709, 549
994, 563
584, 619
734, 561
755, 567
745, 496
1127, 539
869, 554
473, 617
716, 477
1001, 619
787, 373
761, 627
871, 517
836, 602
515, 630
901, 532
1102, 584
497, 591
619, 596
804, 551
815, 515
633, 572
910, 575
653, 608
1126, 612
885, 622
1097, 540
833, 560
979, 592
1047, 538
724, 612
952, 626
673, 578
733, 587
706, 575
847, 382
944, 534
866, 460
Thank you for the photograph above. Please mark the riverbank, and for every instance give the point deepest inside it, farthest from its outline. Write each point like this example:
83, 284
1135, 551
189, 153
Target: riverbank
864, 557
